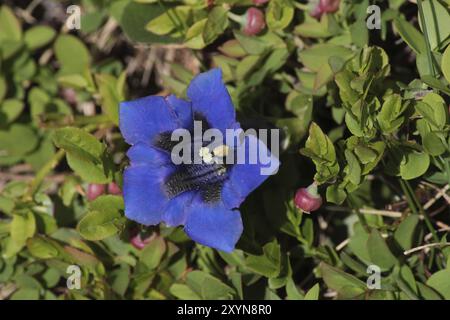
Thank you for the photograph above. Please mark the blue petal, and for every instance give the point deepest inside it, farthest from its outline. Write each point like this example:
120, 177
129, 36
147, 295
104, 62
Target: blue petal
143, 154
142, 119
182, 109
145, 200
210, 97
214, 225
178, 209
246, 177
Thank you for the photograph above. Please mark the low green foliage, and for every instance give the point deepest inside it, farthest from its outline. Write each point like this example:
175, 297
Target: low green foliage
363, 114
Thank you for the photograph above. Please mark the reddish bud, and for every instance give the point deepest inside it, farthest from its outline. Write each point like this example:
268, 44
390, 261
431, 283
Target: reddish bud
325, 6
69, 95
113, 188
137, 241
95, 190
254, 22
307, 199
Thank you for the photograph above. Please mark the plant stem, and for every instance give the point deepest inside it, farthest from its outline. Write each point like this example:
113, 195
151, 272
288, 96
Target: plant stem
410, 201
427, 42
236, 18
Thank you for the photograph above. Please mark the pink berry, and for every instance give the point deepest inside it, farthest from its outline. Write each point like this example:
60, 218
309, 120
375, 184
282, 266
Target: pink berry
329, 5
307, 199
113, 188
254, 22
69, 95
137, 241
325, 6
95, 190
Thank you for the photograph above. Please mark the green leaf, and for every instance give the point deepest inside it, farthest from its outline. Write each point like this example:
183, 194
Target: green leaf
23, 226
137, 15
72, 54
38, 36
232, 48
359, 33
439, 282
11, 109
445, 64
269, 263
9, 146
3, 88
10, 28
433, 109
390, 117
437, 19
345, 284
336, 194
251, 45
42, 155
279, 14
111, 94
104, 218
407, 277
405, 232
208, 287
320, 145
42, 248
410, 35
292, 291
80, 143
313, 293
153, 252
26, 294
216, 24
321, 150
76, 81
183, 292
121, 280
353, 168
169, 21
414, 164
318, 55
194, 35
311, 28
358, 242
85, 154
379, 252
427, 293
433, 144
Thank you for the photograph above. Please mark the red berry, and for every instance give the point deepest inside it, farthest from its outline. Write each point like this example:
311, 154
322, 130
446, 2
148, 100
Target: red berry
307, 199
260, 2
254, 22
113, 188
95, 190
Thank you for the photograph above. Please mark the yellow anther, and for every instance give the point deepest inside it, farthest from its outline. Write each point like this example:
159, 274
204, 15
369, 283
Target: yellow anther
208, 158
205, 154
203, 151
221, 151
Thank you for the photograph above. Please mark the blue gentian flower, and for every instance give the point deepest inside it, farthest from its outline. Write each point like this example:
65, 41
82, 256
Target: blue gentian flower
203, 197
